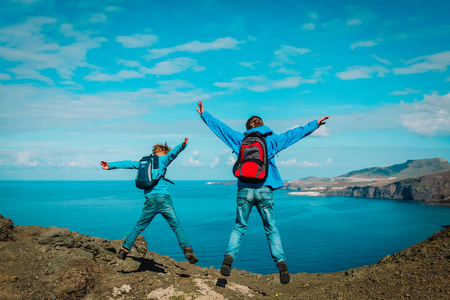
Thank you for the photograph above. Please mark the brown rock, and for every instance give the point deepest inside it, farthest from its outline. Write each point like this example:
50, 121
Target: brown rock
6, 227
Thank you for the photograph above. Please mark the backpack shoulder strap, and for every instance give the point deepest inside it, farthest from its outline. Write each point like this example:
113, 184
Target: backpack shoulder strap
168, 180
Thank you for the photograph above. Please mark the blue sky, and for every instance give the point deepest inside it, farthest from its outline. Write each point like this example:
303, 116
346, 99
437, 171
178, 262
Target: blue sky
84, 81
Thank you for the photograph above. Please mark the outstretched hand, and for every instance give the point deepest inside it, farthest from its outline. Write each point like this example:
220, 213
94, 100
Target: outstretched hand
200, 108
322, 121
185, 142
104, 164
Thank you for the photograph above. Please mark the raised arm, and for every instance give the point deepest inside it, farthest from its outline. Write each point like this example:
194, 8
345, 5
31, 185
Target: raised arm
229, 136
124, 164
175, 151
284, 140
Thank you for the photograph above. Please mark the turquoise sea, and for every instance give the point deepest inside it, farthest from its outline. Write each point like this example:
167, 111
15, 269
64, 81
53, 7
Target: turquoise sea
319, 234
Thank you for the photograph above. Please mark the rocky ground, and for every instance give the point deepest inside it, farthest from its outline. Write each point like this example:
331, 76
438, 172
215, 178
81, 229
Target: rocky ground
53, 263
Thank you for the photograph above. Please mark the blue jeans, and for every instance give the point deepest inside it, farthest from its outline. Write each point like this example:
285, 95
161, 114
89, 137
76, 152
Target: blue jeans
262, 198
157, 204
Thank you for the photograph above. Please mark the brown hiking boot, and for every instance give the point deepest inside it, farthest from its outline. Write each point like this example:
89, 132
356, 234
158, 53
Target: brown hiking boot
225, 270
189, 255
285, 277
122, 253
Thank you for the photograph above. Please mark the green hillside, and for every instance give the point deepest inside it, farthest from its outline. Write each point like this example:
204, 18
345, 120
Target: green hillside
411, 168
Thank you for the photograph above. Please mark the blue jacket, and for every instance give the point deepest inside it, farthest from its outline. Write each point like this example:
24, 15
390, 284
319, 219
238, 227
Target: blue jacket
164, 161
275, 143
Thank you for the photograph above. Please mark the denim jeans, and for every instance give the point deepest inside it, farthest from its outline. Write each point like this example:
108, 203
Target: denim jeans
157, 204
262, 198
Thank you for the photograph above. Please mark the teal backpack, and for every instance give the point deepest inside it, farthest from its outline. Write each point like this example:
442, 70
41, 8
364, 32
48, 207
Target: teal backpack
148, 172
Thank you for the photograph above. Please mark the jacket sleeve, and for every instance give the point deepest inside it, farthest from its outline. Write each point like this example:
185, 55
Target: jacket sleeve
123, 164
170, 157
229, 136
284, 140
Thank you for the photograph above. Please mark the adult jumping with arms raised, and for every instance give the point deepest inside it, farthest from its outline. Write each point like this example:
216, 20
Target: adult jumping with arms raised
258, 177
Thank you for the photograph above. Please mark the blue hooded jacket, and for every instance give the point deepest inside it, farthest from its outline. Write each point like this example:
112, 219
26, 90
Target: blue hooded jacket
275, 143
164, 161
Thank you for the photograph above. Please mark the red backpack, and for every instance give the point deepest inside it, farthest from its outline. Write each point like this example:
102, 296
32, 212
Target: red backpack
252, 164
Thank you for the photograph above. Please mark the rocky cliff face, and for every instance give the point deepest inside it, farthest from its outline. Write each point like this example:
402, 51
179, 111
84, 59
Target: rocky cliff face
432, 189
53, 263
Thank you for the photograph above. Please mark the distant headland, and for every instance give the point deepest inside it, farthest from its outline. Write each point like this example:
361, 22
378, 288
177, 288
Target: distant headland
424, 180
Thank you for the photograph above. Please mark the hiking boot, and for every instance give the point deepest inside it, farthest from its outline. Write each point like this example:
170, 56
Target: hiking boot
189, 255
225, 270
123, 252
284, 273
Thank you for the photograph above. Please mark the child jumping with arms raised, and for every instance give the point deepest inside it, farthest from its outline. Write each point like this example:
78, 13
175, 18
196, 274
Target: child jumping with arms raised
157, 196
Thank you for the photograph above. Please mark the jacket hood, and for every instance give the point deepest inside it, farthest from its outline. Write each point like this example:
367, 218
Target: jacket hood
261, 129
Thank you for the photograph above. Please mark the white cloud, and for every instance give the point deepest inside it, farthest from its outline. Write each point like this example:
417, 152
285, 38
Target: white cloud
249, 64
428, 117
4, 76
173, 66
23, 73
38, 158
353, 22
287, 163
137, 40
384, 61
160, 97
97, 18
215, 163
285, 71
292, 82
113, 9
436, 62
406, 91
98, 76
309, 26
174, 84
223, 160
231, 161
28, 108
365, 44
258, 88
128, 74
262, 83
357, 72
34, 51
299, 164
196, 47
68, 82
194, 163
229, 85
322, 131
26, 158
283, 55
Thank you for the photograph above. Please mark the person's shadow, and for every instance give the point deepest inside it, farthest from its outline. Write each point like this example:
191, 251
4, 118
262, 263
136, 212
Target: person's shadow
146, 265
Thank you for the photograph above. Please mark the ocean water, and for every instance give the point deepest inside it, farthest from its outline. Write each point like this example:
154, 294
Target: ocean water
319, 234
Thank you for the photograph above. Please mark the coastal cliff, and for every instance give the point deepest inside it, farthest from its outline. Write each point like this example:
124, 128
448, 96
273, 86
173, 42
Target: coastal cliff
424, 180
53, 263
432, 189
